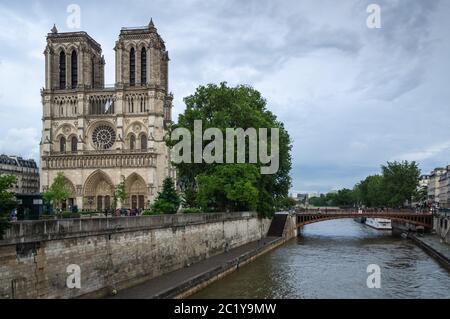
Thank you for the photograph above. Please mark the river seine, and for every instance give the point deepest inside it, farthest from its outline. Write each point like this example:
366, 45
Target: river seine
330, 260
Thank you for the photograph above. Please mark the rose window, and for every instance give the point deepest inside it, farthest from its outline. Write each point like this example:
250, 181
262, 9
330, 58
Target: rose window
104, 137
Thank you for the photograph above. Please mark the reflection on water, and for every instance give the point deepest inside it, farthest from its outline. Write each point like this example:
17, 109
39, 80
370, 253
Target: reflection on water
329, 260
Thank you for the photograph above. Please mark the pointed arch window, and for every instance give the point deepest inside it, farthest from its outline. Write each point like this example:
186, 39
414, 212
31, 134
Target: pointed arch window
62, 70
62, 144
132, 67
143, 66
132, 142
74, 144
74, 69
143, 142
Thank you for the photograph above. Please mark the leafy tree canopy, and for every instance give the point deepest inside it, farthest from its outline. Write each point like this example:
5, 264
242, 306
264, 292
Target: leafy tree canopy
397, 184
222, 107
58, 191
229, 188
120, 193
400, 182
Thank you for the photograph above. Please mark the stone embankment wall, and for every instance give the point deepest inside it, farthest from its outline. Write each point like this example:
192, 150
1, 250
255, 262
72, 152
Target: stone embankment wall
441, 225
114, 253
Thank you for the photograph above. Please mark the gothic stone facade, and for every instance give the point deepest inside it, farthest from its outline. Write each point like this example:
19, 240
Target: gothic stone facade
98, 135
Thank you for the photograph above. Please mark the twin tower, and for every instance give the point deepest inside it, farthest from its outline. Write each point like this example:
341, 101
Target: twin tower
100, 136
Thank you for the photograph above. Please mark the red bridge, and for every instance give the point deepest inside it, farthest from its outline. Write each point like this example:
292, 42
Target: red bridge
310, 216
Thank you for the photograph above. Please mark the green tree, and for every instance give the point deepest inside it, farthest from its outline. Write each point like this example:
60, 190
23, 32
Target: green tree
168, 200
400, 182
7, 202
421, 195
319, 201
189, 197
120, 193
222, 107
344, 197
287, 203
370, 192
188, 193
58, 191
230, 187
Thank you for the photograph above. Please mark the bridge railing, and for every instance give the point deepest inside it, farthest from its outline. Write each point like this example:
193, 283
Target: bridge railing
362, 211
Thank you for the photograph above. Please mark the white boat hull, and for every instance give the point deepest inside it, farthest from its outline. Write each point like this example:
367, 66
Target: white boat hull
379, 223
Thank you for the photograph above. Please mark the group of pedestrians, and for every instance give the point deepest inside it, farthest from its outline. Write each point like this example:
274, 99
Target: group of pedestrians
127, 212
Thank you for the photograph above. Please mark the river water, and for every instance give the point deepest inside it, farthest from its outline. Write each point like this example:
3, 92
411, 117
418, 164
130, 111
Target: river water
330, 260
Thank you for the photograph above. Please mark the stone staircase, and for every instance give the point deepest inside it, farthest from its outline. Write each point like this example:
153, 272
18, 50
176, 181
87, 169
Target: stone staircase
277, 227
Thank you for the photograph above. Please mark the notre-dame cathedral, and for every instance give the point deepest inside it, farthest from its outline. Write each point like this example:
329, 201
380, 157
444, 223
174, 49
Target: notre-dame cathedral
102, 135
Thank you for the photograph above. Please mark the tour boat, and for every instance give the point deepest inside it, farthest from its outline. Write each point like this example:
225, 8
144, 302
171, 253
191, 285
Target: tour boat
379, 223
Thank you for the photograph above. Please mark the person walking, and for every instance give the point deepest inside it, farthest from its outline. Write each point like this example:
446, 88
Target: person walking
13, 215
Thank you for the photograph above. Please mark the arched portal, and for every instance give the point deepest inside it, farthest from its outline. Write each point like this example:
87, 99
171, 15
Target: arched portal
98, 192
136, 189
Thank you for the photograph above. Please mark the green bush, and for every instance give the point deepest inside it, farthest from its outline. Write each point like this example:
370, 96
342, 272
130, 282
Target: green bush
149, 212
162, 206
192, 211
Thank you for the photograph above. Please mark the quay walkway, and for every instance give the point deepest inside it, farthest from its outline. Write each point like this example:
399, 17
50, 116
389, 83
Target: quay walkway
433, 245
186, 281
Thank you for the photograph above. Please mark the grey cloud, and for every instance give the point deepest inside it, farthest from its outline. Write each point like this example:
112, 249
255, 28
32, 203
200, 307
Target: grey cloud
351, 97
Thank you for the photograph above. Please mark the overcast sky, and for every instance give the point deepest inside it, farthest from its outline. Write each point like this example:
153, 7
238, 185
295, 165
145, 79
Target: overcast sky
351, 97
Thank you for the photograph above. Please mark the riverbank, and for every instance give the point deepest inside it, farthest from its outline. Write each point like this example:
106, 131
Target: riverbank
433, 245
185, 282
114, 253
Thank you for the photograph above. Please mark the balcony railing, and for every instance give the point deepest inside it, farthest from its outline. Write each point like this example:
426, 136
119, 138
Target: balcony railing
134, 28
102, 152
102, 88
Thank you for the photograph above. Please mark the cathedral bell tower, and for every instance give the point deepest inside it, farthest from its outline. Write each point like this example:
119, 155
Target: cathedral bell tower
99, 136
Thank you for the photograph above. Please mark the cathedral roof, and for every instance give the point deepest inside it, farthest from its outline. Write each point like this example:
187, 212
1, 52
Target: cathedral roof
69, 36
141, 32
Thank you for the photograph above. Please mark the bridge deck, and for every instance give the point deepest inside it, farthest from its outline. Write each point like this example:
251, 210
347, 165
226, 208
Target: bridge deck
313, 216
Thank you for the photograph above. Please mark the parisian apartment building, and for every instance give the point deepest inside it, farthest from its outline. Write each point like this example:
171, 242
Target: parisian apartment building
25, 171
438, 186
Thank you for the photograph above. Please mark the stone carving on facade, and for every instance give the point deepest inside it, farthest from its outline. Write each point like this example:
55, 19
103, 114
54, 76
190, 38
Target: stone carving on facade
79, 190
66, 129
136, 128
